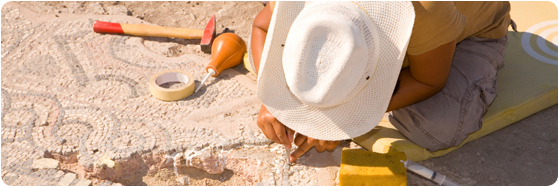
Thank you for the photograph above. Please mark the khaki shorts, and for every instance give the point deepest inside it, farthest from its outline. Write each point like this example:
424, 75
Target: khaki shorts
447, 118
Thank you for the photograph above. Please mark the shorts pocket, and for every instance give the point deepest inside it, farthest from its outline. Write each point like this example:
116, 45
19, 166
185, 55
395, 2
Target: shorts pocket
473, 106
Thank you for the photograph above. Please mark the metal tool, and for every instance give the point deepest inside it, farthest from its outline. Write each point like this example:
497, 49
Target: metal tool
287, 164
427, 173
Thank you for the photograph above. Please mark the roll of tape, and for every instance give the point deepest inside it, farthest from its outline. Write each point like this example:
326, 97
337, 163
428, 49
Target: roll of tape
171, 94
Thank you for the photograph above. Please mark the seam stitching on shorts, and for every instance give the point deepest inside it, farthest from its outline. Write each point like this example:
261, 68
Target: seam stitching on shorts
425, 132
490, 40
491, 62
464, 105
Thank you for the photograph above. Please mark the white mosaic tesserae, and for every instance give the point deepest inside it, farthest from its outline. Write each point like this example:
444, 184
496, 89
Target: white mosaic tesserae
83, 99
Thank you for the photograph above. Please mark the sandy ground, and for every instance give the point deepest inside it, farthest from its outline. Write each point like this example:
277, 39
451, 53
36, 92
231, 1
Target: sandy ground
524, 153
236, 16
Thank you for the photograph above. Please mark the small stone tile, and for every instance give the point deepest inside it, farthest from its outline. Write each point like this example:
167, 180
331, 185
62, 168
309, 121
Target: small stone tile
46, 163
83, 182
67, 179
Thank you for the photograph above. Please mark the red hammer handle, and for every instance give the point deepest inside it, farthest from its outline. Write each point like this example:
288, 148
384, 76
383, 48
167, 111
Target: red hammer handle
107, 27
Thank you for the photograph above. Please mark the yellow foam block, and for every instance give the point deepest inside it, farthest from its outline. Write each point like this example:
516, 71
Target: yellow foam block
525, 85
364, 168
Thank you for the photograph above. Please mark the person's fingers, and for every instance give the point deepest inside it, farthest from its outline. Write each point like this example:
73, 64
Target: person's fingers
260, 122
264, 122
281, 133
330, 146
319, 148
322, 145
290, 134
262, 128
302, 149
299, 139
270, 133
312, 141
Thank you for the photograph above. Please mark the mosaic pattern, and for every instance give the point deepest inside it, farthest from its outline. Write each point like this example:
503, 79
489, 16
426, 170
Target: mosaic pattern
67, 91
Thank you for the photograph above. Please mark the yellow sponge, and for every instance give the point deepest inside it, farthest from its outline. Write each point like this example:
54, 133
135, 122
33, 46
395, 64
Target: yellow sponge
364, 168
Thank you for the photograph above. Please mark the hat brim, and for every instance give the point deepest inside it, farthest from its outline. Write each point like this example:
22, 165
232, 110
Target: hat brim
394, 23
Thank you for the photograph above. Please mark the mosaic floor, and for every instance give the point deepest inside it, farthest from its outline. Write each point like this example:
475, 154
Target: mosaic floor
82, 98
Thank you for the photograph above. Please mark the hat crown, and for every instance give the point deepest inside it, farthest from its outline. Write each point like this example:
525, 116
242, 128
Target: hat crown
388, 27
329, 53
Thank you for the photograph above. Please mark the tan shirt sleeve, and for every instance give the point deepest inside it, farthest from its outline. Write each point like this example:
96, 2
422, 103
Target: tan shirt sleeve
436, 23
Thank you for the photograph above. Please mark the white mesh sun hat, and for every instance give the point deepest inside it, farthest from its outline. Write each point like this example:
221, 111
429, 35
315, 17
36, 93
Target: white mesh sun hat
328, 69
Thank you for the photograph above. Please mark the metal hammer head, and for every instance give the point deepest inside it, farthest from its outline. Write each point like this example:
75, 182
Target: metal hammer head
208, 37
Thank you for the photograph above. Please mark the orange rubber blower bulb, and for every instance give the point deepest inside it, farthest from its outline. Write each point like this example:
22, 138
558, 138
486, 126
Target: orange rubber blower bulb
228, 50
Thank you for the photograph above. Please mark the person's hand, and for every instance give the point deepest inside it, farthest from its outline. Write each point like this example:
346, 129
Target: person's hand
273, 129
305, 143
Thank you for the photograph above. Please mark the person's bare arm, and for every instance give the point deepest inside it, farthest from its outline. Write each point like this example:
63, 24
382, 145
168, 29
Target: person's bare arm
426, 76
270, 126
259, 32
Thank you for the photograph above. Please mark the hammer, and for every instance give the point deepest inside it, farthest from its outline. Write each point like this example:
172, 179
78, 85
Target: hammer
206, 36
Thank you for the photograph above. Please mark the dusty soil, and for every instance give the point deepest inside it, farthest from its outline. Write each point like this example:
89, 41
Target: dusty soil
525, 153
196, 177
235, 16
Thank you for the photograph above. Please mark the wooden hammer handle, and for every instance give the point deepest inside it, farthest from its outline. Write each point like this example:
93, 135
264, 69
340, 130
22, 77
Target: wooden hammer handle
147, 30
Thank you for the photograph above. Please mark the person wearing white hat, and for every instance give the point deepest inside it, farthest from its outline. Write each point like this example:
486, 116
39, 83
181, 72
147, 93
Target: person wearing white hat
329, 71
